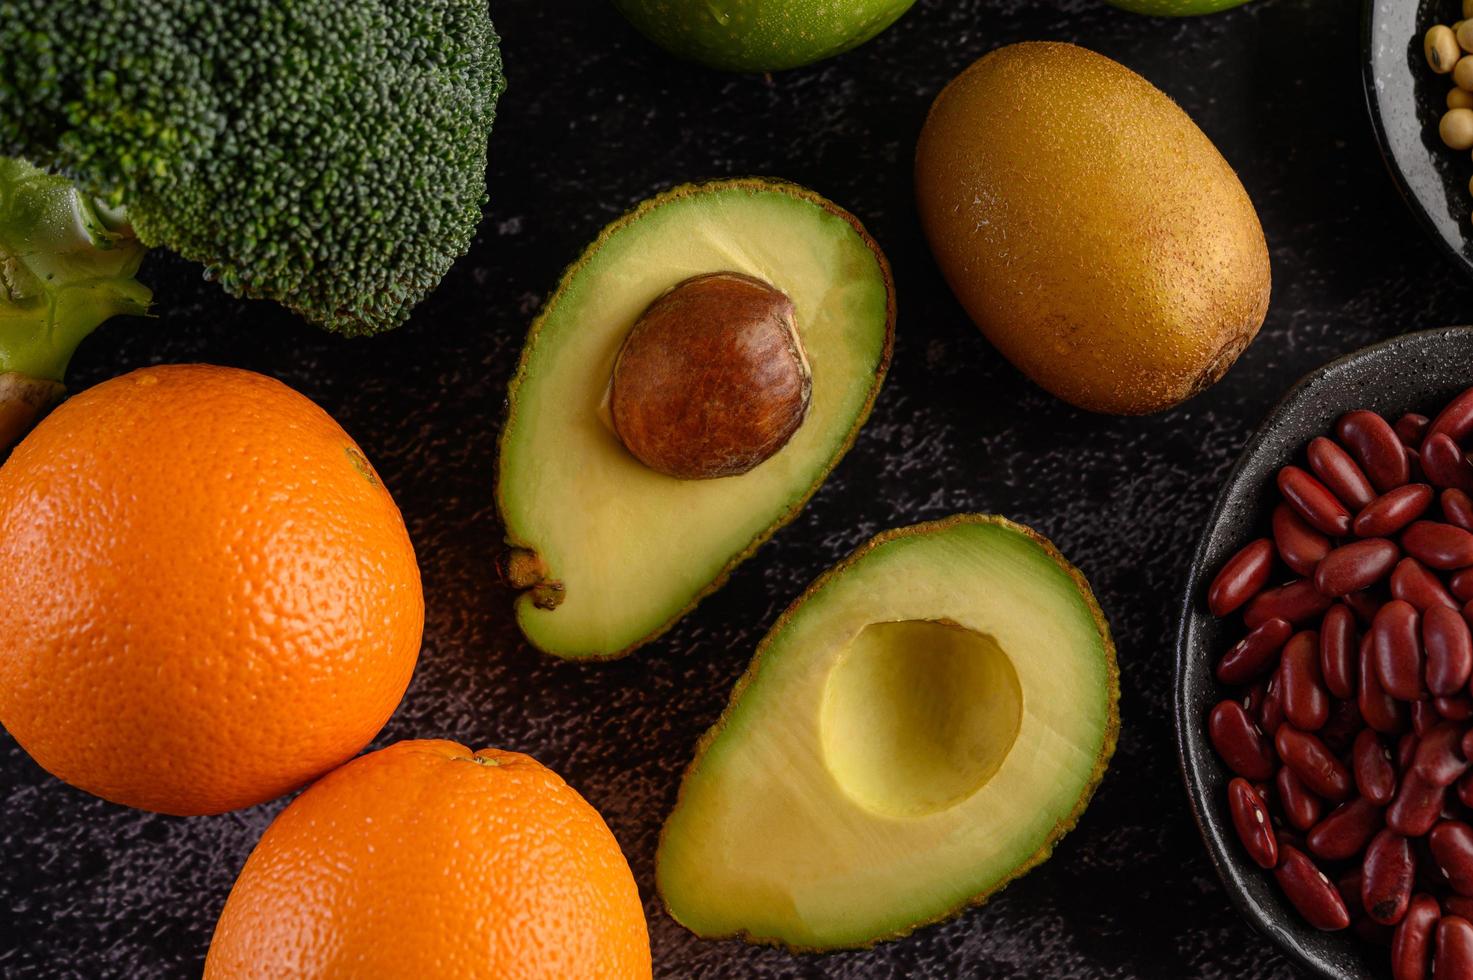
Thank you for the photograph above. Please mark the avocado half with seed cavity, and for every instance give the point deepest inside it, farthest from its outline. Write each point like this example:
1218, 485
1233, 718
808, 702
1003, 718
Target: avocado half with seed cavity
918, 729
695, 377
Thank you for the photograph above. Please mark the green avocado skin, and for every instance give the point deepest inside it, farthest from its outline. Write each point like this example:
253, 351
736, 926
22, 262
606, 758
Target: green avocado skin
1177, 8
760, 35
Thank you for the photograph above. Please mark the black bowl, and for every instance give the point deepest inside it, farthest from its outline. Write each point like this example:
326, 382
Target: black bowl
1416, 372
1406, 99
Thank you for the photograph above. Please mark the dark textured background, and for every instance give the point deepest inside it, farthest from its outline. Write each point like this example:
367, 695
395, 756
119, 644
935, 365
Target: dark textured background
597, 119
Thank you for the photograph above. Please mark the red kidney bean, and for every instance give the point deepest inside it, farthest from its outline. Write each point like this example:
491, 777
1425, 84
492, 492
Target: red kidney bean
1396, 649
1467, 744
1411, 429
1415, 474
1365, 605
1424, 717
1410, 582
1448, 645
1444, 464
1451, 842
1298, 602
1380, 710
1301, 808
1406, 751
1429, 875
1309, 891
1461, 584
1346, 831
1460, 905
1239, 742
1375, 777
1459, 708
1463, 788
1456, 417
1306, 702
1255, 653
1337, 651
1457, 508
1411, 944
1416, 806
1392, 511
1271, 709
1243, 576
1375, 446
1312, 762
1438, 545
1288, 837
1250, 819
1299, 545
1339, 732
1337, 471
1453, 957
1386, 877
1439, 758
1313, 501
1355, 566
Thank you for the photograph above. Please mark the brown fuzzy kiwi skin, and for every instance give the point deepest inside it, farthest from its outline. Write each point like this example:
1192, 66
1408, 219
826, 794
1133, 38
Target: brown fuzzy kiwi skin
1102, 762
754, 185
1195, 228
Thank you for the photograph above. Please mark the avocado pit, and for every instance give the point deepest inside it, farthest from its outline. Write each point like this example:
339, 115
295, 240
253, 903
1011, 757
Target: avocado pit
712, 380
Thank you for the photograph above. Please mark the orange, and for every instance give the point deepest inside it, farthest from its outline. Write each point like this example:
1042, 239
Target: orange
209, 598
425, 860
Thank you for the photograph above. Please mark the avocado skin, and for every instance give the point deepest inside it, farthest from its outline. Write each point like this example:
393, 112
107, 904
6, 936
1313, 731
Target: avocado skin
1177, 8
760, 35
1102, 763
515, 546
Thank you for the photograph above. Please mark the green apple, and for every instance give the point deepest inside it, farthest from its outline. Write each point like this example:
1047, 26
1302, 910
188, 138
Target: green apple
760, 35
1176, 8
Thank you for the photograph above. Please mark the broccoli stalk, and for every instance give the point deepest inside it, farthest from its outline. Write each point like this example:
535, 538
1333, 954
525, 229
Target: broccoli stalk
66, 265
326, 154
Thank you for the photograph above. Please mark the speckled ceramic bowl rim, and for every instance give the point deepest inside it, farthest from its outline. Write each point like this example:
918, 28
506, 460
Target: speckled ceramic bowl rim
1315, 951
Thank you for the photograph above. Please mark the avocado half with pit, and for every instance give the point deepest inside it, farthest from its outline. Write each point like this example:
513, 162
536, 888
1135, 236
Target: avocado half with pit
690, 384
917, 730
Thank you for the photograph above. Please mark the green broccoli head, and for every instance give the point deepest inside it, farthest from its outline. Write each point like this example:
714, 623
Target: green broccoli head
326, 154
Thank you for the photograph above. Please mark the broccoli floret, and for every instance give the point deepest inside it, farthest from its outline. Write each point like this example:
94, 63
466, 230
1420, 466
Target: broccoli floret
66, 265
326, 154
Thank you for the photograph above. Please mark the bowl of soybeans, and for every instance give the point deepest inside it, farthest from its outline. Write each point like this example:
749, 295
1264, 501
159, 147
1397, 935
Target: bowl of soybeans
1418, 76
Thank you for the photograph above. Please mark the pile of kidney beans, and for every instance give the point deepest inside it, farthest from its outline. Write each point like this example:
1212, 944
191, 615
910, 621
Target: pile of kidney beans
1351, 726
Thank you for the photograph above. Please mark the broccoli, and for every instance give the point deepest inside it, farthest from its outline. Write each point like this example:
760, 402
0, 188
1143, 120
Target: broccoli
66, 265
326, 154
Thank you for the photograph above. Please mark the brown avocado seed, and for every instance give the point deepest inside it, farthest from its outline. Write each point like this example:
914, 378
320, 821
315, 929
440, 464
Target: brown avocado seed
712, 379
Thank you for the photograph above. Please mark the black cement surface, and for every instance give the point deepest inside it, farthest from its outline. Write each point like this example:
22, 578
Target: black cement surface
595, 120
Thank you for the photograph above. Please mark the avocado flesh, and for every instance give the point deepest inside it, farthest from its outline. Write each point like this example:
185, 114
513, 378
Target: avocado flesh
633, 549
917, 730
